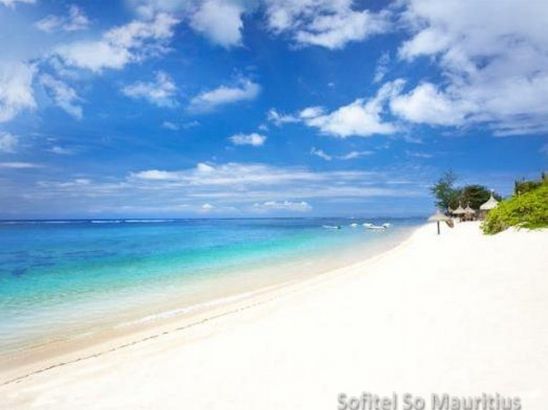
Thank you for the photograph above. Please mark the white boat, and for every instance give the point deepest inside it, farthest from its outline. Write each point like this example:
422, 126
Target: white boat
374, 227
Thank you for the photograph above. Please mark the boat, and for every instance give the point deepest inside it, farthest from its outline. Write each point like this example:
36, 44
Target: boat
374, 227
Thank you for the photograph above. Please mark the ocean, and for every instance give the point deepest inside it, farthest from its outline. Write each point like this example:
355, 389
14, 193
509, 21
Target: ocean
63, 279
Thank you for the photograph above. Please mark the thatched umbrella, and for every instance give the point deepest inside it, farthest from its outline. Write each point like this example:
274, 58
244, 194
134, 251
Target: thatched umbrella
459, 211
469, 211
439, 217
491, 203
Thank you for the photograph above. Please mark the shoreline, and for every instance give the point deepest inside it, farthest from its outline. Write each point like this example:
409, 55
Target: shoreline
174, 316
461, 313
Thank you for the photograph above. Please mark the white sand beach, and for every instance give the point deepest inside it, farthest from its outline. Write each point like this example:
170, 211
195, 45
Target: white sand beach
460, 313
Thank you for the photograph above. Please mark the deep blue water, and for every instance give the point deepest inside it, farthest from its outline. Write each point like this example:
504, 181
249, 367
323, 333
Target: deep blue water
54, 273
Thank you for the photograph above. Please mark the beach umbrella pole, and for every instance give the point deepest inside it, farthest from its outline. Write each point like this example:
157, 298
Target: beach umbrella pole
438, 217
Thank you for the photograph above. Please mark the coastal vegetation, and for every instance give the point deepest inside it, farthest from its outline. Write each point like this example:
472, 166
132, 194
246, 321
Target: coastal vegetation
527, 208
524, 186
448, 195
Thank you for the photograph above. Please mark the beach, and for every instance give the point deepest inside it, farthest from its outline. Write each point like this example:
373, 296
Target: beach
461, 314
66, 286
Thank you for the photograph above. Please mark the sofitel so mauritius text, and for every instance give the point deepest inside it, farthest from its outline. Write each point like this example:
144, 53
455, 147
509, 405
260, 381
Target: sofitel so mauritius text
368, 401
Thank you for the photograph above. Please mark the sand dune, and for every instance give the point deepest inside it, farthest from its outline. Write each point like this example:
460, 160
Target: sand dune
461, 314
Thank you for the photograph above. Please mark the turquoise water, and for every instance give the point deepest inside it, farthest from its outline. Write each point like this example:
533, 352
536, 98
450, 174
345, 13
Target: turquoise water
62, 274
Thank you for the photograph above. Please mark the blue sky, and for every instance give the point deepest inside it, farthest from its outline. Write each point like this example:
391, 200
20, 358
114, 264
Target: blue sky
236, 108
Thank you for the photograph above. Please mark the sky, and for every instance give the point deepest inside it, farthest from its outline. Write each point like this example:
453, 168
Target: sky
259, 108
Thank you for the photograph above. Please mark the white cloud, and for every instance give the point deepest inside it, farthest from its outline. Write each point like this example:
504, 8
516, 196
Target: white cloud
121, 45
360, 118
279, 119
320, 153
168, 125
207, 207
72, 183
227, 187
60, 150
19, 165
206, 168
495, 62
156, 175
190, 124
355, 155
334, 31
246, 90
255, 180
173, 126
426, 104
519, 126
160, 92
8, 142
311, 112
220, 21
237, 183
16, 92
345, 157
253, 139
288, 206
62, 94
326, 23
232, 174
418, 154
75, 21
13, 3
50, 23
149, 8
382, 67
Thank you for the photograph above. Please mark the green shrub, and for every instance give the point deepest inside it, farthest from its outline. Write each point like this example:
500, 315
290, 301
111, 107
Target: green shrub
523, 186
528, 210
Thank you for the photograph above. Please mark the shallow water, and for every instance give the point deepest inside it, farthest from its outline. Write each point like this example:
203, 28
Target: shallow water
57, 278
